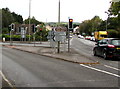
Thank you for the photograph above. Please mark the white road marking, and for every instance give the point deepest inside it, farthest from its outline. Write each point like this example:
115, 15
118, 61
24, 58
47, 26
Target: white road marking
112, 67
100, 70
3, 76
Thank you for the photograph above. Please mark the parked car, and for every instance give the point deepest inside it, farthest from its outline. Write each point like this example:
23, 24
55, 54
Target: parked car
92, 38
107, 48
88, 37
80, 36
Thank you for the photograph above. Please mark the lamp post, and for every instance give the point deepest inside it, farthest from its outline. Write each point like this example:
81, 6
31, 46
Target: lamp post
59, 13
29, 17
107, 19
58, 25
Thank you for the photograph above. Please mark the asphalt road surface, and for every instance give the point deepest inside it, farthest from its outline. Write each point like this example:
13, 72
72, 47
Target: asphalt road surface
85, 48
24, 69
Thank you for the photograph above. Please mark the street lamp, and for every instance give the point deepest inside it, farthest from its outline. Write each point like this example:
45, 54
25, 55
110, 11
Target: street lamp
59, 13
29, 17
107, 19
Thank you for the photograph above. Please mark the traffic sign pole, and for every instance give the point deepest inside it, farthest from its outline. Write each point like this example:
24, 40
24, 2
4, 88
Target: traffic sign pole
68, 40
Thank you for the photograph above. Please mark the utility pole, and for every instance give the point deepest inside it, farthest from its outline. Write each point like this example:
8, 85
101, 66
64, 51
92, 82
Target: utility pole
107, 20
29, 17
59, 13
59, 25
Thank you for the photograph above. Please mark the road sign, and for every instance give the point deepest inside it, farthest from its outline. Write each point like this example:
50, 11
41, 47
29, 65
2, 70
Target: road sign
56, 36
23, 32
51, 35
60, 36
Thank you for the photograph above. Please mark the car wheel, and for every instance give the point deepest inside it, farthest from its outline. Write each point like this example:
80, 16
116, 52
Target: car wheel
94, 52
105, 55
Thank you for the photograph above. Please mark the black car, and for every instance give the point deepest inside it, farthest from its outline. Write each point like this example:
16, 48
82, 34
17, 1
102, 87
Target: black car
108, 48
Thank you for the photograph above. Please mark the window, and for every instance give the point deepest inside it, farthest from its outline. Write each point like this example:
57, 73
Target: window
103, 41
116, 42
105, 36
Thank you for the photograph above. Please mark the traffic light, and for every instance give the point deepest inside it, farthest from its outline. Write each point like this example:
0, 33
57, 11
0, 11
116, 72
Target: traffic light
12, 27
33, 28
9, 28
40, 29
70, 23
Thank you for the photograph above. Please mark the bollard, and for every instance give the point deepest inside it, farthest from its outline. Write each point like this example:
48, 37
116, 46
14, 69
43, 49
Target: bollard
3, 39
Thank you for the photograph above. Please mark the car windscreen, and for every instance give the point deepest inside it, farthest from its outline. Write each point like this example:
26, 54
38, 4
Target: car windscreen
116, 42
105, 36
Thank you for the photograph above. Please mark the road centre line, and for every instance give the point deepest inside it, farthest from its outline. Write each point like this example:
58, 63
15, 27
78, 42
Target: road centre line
112, 67
100, 70
3, 76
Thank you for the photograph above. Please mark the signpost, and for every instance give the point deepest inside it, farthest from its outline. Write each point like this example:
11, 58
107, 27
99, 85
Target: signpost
23, 33
56, 37
11, 32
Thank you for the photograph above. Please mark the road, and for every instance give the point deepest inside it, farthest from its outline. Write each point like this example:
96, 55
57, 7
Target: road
24, 69
85, 48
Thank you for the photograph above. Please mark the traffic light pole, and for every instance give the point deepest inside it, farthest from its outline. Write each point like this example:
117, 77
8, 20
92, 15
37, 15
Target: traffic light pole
70, 27
40, 37
10, 38
68, 40
34, 38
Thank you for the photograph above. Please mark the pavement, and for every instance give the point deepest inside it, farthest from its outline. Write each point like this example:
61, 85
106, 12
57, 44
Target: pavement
44, 49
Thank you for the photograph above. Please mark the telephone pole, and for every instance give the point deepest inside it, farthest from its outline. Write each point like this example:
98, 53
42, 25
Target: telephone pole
29, 17
59, 13
59, 25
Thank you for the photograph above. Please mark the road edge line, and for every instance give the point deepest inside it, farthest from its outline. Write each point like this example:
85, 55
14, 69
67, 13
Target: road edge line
3, 76
99, 70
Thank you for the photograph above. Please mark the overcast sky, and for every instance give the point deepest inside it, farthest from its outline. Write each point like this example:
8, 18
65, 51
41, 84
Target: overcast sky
47, 10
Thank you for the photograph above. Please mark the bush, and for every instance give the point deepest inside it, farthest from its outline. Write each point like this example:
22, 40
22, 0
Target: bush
18, 37
113, 34
5, 31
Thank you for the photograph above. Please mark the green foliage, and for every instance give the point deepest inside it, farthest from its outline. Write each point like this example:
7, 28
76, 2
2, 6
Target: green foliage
113, 34
112, 23
115, 10
89, 26
41, 35
7, 37
32, 21
5, 31
8, 18
17, 18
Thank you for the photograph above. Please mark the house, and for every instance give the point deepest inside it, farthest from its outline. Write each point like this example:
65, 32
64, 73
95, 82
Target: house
19, 28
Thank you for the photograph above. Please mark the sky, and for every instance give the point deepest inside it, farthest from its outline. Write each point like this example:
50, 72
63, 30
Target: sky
47, 10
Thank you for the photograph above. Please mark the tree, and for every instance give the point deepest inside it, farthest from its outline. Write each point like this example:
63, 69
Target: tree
115, 10
7, 17
89, 26
95, 21
32, 21
113, 34
17, 18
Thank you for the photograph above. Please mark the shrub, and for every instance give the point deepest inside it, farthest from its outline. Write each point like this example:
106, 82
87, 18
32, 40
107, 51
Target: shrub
113, 34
